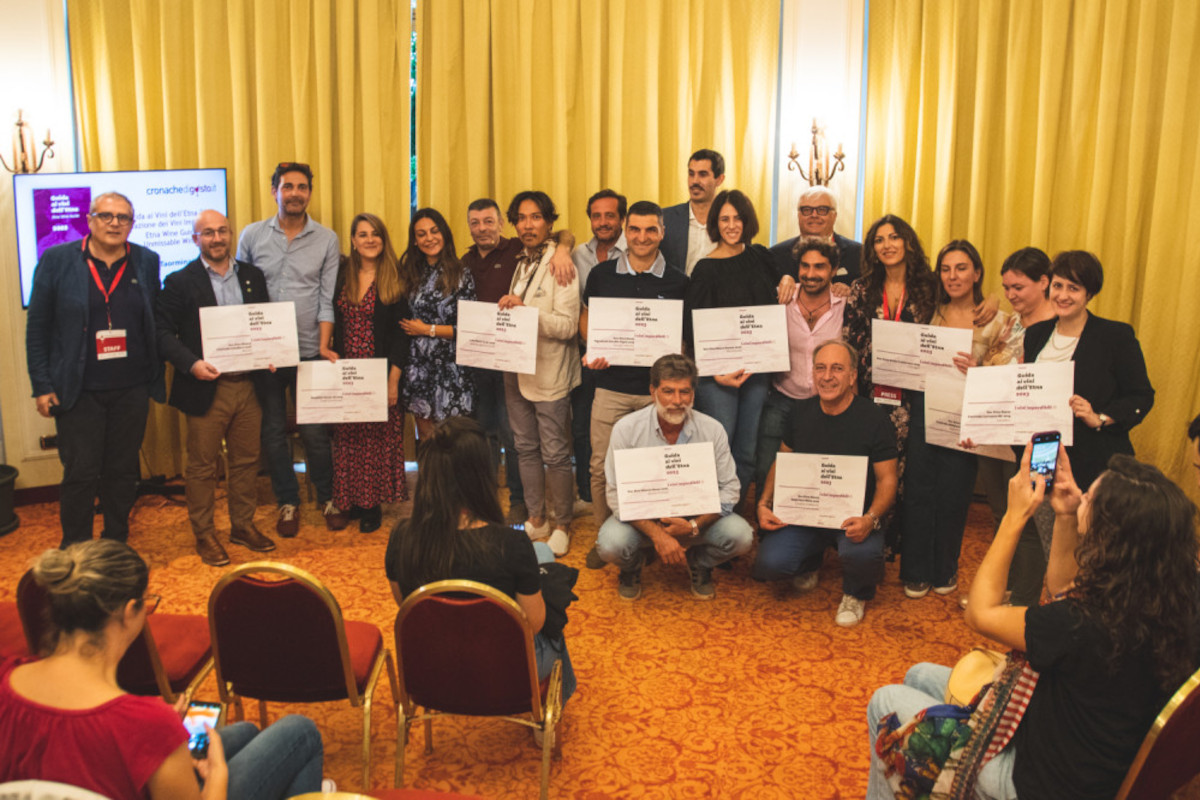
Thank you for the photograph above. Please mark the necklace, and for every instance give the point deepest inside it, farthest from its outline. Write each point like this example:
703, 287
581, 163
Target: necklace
1061, 348
811, 313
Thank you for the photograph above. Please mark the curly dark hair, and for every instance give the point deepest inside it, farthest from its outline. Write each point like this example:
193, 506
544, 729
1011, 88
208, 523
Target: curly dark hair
1137, 568
919, 278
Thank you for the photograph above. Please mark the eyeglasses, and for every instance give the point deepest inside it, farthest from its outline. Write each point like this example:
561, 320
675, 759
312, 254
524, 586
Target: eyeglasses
209, 233
107, 218
150, 602
820, 211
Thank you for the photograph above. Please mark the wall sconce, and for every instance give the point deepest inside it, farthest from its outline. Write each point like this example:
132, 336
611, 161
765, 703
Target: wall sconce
820, 169
24, 156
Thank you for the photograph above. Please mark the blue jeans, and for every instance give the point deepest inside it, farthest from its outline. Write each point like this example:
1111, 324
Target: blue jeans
771, 427
581, 432
282, 761
491, 411
548, 650
318, 452
796, 550
620, 543
738, 410
938, 483
925, 686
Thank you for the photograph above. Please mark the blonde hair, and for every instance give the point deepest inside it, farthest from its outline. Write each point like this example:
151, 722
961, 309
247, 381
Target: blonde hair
389, 286
87, 584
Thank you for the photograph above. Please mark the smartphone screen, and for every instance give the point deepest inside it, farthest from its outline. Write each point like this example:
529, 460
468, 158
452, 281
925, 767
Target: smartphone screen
198, 714
1044, 458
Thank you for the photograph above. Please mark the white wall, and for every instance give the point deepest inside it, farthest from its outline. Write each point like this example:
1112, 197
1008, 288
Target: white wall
820, 76
33, 59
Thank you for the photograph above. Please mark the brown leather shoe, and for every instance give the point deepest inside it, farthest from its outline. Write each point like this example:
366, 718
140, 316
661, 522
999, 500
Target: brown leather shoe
251, 537
288, 524
210, 550
334, 520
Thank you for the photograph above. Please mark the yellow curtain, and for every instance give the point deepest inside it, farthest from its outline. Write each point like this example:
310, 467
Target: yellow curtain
571, 96
245, 84
1063, 124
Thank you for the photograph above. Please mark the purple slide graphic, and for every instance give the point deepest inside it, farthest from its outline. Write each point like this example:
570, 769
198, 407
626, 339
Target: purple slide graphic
60, 216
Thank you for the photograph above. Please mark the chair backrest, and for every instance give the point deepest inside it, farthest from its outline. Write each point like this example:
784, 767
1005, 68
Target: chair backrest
466, 648
279, 639
1168, 758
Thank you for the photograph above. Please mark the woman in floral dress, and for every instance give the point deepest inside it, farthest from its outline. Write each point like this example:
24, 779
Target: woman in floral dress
369, 302
435, 387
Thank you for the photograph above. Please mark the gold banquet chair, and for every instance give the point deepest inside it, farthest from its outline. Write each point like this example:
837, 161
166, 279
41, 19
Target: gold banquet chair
1168, 758
466, 648
283, 638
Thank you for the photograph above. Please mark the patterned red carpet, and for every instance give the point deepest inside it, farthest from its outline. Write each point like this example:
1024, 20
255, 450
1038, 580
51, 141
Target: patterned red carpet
756, 694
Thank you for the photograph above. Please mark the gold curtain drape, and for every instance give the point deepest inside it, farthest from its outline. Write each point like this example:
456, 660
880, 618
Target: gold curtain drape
571, 96
1063, 124
245, 84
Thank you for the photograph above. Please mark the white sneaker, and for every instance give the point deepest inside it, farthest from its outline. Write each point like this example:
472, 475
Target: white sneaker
850, 612
806, 582
327, 785
560, 542
537, 532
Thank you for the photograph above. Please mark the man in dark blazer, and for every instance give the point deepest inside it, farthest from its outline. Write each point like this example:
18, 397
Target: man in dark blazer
816, 212
218, 405
93, 364
685, 239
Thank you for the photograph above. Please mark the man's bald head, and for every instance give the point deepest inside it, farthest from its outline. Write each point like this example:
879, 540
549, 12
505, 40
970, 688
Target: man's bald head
212, 234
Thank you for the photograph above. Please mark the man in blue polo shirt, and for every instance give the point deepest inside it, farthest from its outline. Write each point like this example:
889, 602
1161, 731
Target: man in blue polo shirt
299, 258
640, 273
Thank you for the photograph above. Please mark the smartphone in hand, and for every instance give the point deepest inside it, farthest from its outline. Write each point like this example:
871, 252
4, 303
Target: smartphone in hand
199, 713
1043, 460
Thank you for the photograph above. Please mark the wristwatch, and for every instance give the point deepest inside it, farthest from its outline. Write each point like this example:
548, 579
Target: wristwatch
874, 520
1104, 418
695, 529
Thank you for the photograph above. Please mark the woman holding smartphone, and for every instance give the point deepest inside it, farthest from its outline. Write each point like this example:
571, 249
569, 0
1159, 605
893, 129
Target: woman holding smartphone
63, 718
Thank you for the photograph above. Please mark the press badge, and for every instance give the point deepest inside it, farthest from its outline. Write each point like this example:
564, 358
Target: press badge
886, 395
110, 344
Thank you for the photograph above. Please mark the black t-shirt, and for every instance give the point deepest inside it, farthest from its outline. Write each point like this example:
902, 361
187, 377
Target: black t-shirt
605, 281
127, 307
863, 429
514, 570
1084, 723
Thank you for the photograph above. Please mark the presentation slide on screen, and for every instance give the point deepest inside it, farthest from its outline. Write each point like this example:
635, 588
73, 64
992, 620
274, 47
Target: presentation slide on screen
52, 209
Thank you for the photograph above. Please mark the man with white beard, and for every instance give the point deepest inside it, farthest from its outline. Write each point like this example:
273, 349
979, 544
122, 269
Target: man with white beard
701, 542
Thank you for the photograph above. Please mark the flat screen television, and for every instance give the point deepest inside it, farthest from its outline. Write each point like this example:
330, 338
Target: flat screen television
52, 208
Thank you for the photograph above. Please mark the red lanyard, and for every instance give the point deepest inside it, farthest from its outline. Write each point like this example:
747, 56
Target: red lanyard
887, 314
112, 287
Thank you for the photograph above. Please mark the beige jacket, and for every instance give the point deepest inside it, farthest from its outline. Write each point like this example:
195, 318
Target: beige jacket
558, 327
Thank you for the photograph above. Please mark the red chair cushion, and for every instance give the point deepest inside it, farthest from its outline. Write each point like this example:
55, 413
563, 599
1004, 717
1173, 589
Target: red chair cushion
365, 641
1172, 761
183, 648
12, 635
464, 656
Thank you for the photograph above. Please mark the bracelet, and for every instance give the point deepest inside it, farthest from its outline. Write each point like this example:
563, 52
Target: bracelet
432, 330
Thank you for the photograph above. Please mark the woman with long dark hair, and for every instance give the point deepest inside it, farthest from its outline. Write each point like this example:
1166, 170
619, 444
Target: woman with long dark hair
63, 718
1103, 658
435, 387
457, 531
369, 302
896, 284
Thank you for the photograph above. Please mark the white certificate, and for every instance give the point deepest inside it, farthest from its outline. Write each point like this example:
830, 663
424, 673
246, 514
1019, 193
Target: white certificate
903, 353
753, 338
352, 390
669, 481
249, 336
1008, 404
943, 417
633, 332
819, 491
493, 338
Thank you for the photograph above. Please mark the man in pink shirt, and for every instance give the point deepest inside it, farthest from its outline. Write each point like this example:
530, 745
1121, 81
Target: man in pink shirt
815, 316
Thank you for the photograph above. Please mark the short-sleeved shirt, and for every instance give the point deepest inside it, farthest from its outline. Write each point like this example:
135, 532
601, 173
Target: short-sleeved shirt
863, 429
514, 569
493, 273
616, 279
585, 260
111, 749
1084, 724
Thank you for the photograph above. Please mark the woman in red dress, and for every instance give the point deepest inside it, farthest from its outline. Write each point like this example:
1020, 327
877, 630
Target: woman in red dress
368, 457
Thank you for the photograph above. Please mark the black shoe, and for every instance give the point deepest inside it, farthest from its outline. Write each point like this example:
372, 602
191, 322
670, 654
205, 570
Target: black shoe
594, 561
355, 512
370, 520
